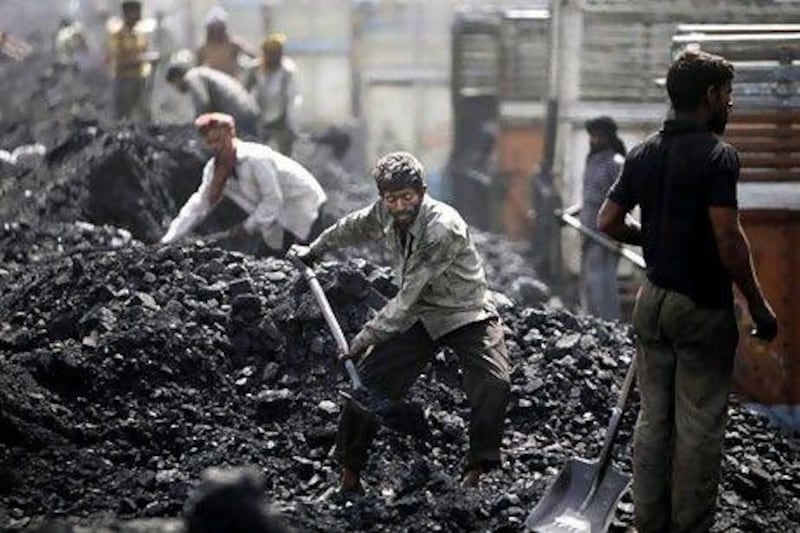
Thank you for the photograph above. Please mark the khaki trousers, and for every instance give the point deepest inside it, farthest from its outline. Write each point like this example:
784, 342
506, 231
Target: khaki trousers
685, 363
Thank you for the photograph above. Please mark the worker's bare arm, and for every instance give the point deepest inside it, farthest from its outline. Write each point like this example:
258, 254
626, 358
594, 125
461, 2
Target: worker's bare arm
611, 220
734, 252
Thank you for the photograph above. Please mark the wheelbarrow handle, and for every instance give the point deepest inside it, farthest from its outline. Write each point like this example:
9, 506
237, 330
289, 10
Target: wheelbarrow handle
330, 317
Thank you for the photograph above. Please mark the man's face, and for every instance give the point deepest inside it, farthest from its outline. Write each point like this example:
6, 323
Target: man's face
219, 139
217, 30
272, 58
131, 16
403, 205
598, 141
181, 85
719, 104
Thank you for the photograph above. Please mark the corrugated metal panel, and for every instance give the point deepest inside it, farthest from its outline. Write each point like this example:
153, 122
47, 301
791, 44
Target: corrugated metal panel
626, 44
480, 57
623, 62
526, 58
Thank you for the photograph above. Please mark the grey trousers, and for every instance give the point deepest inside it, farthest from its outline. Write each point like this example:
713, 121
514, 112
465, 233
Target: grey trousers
685, 362
599, 290
392, 367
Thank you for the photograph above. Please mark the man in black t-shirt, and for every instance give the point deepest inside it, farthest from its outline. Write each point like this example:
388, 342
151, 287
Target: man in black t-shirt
684, 180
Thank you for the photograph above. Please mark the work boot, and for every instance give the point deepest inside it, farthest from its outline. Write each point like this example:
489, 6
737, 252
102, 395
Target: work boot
471, 478
350, 482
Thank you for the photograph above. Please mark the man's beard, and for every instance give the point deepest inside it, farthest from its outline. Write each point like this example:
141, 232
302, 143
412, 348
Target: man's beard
717, 122
405, 218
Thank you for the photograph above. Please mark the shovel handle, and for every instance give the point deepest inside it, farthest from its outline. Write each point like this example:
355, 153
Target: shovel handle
330, 317
604, 459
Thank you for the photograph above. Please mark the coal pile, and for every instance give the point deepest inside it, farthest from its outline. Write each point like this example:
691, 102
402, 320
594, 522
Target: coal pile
129, 177
137, 178
43, 97
126, 373
21, 243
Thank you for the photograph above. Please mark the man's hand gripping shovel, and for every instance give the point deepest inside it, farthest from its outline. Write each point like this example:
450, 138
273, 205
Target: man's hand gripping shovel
365, 400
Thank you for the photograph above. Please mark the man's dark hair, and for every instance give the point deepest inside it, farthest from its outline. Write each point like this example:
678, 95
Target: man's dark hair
131, 5
690, 76
176, 71
608, 127
399, 170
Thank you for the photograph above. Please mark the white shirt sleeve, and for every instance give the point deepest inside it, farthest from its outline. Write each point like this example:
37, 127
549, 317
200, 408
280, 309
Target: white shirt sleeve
195, 209
269, 203
294, 99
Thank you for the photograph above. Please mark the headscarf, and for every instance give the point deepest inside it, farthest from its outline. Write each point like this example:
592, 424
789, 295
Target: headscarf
224, 164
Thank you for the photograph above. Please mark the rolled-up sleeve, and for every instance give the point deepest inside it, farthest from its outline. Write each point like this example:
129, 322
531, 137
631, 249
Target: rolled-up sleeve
622, 191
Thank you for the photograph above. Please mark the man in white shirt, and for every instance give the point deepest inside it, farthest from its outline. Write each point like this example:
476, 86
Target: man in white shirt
273, 83
278, 194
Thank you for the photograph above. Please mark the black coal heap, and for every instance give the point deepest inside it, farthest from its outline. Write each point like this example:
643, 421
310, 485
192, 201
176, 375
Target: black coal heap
126, 373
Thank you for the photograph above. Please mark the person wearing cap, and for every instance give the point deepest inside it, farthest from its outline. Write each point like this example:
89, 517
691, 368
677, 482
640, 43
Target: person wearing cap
131, 65
214, 91
273, 81
222, 51
277, 193
443, 301
598, 282
70, 44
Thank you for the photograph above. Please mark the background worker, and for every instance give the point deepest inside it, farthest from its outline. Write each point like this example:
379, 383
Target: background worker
684, 180
128, 53
277, 193
213, 91
221, 51
598, 287
70, 45
442, 301
273, 82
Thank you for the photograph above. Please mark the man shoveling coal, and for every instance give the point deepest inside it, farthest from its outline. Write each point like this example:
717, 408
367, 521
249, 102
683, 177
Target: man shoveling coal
442, 301
280, 196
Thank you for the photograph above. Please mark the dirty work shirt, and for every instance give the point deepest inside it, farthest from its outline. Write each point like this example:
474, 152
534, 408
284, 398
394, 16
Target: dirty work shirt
213, 91
602, 170
675, 176
276, 192
439, 272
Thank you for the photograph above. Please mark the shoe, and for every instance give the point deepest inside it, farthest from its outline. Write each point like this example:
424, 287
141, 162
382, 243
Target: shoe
350, 482
471, 478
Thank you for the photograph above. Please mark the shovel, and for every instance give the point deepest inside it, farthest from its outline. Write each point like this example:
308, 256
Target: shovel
393, 415
585, 494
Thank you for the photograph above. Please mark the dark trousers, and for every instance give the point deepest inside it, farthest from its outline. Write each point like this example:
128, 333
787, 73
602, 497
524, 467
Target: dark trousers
392, 367
685, 364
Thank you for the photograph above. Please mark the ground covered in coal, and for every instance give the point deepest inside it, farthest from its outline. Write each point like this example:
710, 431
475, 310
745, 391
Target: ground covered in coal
125, 373
127, 368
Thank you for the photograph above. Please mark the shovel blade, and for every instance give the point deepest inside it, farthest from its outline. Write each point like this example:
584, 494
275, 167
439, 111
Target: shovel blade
564, 509
402, 417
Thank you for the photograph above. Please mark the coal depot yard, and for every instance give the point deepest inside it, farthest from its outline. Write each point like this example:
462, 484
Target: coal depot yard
128, 368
